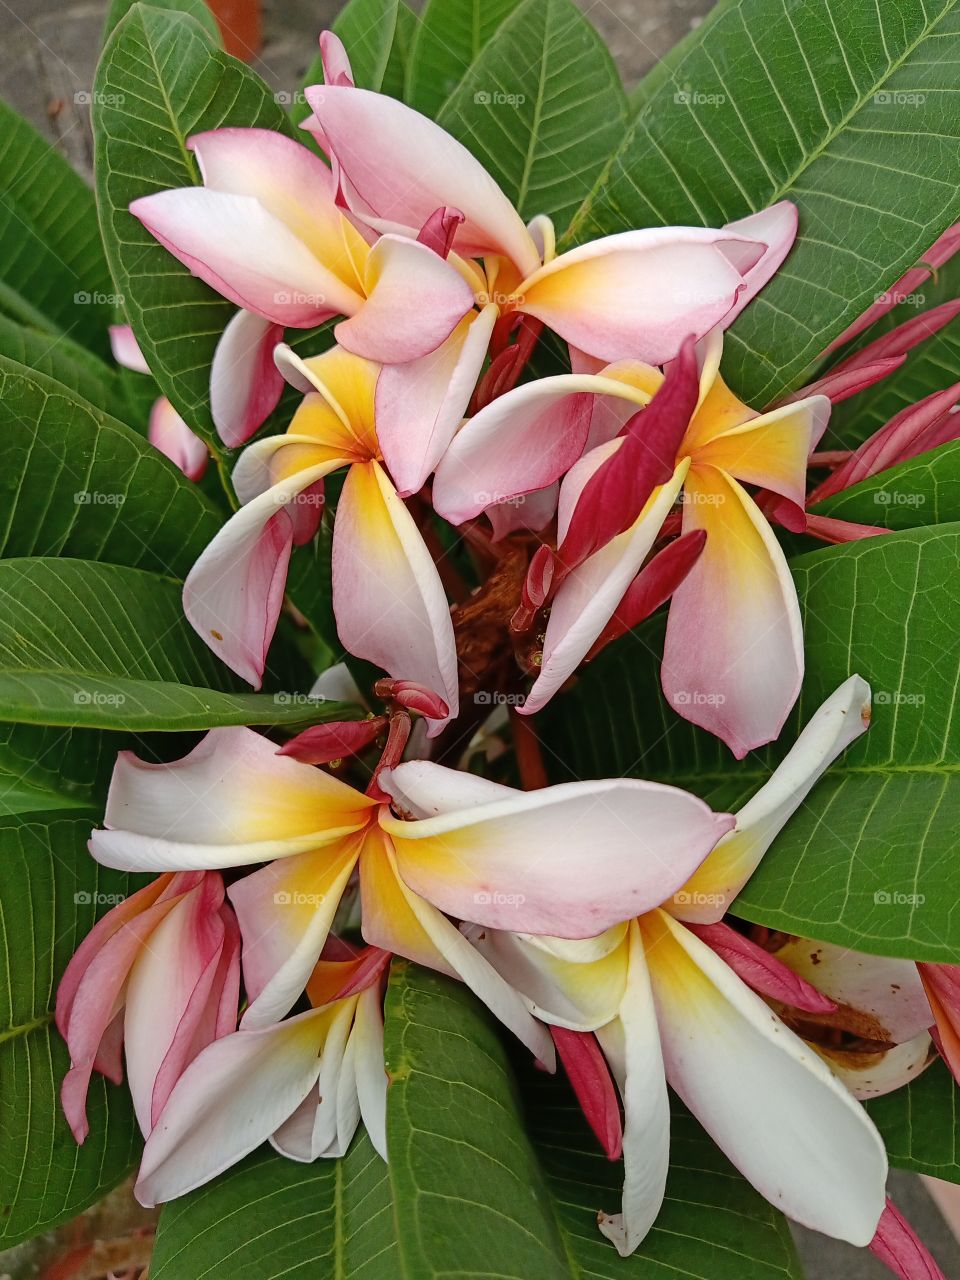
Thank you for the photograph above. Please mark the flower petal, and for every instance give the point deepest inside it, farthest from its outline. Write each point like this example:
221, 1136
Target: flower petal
327, 1119
421, 404
636, 295
126, 350
741, 683
170, 434
397, 167
245, 384
232, 1097
765, 1097
388, 600
776, 227
231, 802
415, 300
488, 863
839, 721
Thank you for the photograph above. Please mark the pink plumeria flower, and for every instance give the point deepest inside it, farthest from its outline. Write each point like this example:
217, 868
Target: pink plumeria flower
741, 683
157, 977
303, 1084
473, 850
388, 599
167, 431
667, 1008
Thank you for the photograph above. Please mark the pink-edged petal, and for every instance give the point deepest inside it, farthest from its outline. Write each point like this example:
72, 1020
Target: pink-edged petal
632, 1046
235, 245
842, 718
425, 790
367, 1041
231, 802
520, 443
415, 300
733, 654
589, 596
285, 912
590, 1079
335, 740
903, 338
399, 920
637, 295
396, 167
335, 59
167, 993
900, 1249
517, 863
388, 599
170, 434
421, 404
126, 350
874, 1074
233, 594
764, 1096
532, 511
761, 970
841, 384
245, 383
326, 1120
941, 983
776, 227
232, 1097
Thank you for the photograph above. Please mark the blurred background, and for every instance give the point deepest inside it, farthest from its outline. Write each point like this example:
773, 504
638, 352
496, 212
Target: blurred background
48, 52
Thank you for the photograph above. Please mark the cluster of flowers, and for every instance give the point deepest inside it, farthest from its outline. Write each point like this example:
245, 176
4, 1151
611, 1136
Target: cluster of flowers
592, 497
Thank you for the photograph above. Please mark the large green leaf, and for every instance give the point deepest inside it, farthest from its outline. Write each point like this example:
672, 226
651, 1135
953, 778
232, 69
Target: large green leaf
198, 9
109, 647
51, 891
468, 1193
920, 1124
868, 861
924, 490
58, 357
848, 110
180, 84
50, 250
271, 1217
541, 107
75, 482
713, 1225
369, 30
450, 35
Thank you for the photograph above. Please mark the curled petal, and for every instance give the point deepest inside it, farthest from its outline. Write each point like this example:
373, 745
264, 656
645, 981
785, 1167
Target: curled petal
170, 434
245, 384
899, 1248
126, 349
776, 227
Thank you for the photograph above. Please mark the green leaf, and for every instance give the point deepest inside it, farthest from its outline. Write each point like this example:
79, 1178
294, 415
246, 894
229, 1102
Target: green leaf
920, 1124
105, 646
932, 366
47, 767
50, 250
867, 861
368, 29
450, 35
468, 1193
271, 1217
58, 357
164, 63
713, 1225
848, 110
541, 107
922, 491
197, 9
395, 75
51, 891
74, 482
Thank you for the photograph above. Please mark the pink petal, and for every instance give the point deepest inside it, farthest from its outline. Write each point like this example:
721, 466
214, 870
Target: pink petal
126, 349
902, 339
841, 384
899, 1248
245, 383
415, 300
589, 1075
941, 982
170, 434
396, 168
336, 740
761, 970
776, 227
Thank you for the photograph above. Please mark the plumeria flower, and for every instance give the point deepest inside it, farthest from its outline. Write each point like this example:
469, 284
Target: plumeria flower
303, 1084
733, 656
473, 850
167, 431
157, 977
388, 599
666, 1007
